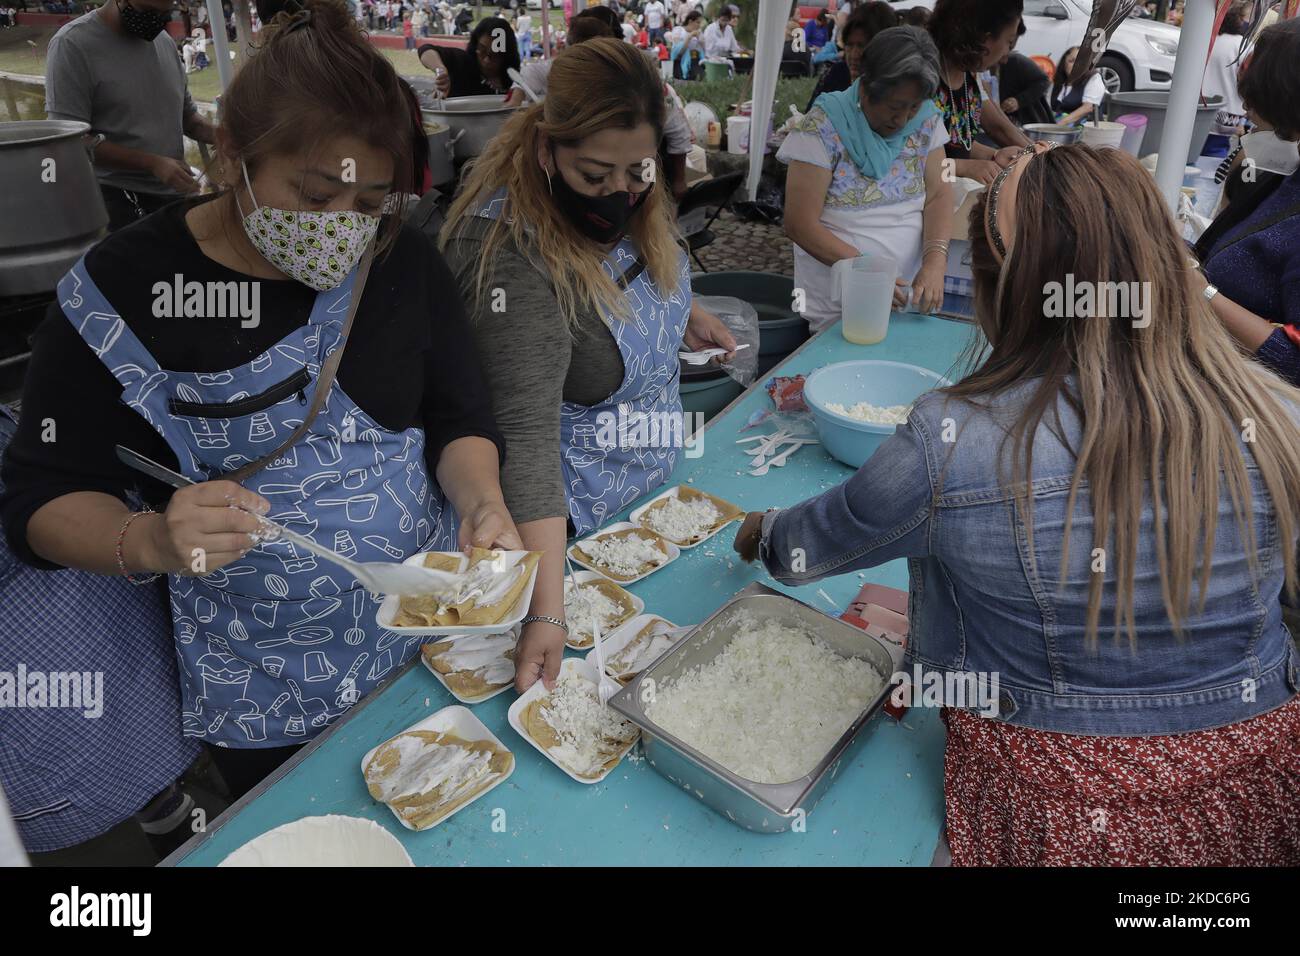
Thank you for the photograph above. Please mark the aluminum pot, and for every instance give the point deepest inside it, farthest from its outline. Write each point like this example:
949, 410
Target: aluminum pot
475, 118
1053, 133
441, 151
51, 211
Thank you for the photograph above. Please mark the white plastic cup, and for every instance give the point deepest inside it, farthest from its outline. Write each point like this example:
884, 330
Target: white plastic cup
865, 287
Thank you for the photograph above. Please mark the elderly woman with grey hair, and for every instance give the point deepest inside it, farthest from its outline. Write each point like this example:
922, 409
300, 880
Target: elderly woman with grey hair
866, 176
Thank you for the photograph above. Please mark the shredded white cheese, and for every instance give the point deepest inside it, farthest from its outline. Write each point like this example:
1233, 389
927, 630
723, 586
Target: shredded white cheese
584, 602
624, 555
590, 735
682, 521
771, 705
873, 414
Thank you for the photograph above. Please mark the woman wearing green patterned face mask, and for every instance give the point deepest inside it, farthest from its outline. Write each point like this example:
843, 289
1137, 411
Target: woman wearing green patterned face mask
303, 356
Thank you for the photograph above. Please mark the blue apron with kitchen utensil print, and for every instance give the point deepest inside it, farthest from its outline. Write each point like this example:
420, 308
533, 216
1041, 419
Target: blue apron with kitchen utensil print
622, 449
276, 646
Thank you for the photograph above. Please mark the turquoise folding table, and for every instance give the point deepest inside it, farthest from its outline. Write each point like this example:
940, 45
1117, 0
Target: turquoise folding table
885, 807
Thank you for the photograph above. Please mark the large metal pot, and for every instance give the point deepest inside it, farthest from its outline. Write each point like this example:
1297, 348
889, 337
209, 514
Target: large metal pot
51, 209
441, 152
1053, 133
476, 118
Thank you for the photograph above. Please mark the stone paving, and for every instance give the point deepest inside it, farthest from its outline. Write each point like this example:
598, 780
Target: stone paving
756, 247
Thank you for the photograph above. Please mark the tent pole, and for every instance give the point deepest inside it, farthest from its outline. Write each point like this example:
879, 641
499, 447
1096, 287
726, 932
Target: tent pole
220, 45
1184, 94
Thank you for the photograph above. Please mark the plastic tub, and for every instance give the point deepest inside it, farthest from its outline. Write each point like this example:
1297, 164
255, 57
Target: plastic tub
869, 380
738, 134
1153, 104
1135, 127
716, 72
1104, 135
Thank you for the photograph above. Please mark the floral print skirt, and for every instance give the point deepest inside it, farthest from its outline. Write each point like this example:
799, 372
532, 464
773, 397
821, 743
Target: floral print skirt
1223, 797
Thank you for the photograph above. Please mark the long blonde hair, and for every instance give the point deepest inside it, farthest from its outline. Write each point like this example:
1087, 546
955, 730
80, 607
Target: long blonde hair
595, 85
1162, 401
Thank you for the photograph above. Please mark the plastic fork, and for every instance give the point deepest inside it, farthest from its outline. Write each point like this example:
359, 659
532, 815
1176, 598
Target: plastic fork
378, 577
606, 686
703, 356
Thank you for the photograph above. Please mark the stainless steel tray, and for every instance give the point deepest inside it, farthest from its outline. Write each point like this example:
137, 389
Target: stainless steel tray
764, 808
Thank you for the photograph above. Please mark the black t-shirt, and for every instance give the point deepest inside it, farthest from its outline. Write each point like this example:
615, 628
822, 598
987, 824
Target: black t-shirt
462, 68
409, 361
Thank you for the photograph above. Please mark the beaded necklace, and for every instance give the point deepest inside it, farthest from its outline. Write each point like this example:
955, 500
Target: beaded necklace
960, 120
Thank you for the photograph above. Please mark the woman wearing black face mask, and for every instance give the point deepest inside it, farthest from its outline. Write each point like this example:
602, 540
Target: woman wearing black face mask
564, 245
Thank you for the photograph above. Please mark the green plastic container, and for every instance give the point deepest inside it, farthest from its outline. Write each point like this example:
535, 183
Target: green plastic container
716, 72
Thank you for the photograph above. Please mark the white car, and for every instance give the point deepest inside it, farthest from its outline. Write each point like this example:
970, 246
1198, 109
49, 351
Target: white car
1140, 55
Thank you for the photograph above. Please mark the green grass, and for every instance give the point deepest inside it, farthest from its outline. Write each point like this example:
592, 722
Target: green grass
17, 56
722, 95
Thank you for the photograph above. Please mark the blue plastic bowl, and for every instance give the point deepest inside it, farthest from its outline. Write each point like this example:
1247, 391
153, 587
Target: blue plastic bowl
872, 381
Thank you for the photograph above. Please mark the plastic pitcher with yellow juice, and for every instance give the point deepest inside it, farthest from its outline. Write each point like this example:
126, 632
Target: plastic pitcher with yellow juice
865, 288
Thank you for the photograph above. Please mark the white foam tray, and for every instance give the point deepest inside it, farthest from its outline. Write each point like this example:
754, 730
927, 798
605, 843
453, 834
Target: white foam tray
674, 552
569, 665
583, 577
469, 700
460, 721
673, 492
388, 609
622, 635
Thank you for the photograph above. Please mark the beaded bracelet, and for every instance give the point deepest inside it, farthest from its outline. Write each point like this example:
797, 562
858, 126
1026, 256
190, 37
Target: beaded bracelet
121, 561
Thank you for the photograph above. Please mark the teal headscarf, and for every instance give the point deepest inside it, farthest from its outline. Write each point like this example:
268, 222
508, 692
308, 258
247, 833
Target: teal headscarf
872, 153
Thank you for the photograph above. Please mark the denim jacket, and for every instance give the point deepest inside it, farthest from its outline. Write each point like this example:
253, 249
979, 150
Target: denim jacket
985, 602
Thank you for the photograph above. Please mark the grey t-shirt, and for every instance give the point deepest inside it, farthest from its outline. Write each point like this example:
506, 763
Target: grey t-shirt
131, 91
533, 365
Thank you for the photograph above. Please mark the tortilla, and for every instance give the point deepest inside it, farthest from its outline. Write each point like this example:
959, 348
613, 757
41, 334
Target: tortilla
428, 611
420, 810
464, 683
580, 636
646, 566
727, 513
534, 722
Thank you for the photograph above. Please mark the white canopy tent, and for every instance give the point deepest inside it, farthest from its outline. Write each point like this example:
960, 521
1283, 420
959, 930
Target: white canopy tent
768, 46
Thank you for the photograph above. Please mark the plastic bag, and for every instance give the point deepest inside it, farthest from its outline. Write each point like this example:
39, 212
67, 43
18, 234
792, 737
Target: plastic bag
1190, 222
789, 412
741, 319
